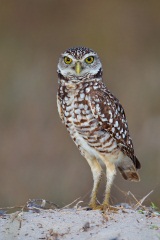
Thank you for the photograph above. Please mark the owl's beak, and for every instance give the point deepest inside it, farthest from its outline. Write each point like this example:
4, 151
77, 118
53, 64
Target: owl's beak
78, 67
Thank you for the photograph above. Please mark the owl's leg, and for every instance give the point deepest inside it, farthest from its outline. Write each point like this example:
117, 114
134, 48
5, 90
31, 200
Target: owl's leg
110, 172
97, 174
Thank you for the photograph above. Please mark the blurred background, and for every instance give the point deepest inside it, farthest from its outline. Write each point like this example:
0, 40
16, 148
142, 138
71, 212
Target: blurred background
37, 157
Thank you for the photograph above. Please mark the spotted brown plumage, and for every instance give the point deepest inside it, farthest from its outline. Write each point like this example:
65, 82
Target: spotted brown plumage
95, 119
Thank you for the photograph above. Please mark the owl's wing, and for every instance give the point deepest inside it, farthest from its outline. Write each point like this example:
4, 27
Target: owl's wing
60, 108
111, 116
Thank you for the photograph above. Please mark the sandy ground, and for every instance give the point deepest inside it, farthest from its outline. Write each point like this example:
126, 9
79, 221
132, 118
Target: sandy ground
73, 223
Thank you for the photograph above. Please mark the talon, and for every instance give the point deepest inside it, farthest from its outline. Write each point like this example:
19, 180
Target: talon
109, 208
89, 209
103, 208
94, 206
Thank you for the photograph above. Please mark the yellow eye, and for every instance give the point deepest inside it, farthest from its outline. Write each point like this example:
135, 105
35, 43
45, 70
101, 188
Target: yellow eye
67, 60
89, 60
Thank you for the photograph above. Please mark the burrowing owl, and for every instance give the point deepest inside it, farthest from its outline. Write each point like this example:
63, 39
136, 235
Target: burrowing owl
95, 119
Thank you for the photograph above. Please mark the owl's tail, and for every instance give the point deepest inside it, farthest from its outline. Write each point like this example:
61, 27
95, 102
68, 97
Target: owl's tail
128, 169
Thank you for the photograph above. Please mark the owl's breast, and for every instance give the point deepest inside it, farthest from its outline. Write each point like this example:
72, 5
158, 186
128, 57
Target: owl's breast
77, 112
82, 125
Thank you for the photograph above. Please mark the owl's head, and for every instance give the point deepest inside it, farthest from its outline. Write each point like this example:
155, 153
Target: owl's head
79, 63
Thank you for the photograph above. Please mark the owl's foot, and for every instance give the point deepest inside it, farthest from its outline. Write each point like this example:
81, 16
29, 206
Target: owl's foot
109, 208
93, 206
103, 208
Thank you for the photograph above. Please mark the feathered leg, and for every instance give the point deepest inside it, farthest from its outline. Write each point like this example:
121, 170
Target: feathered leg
110, 172
97, 174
